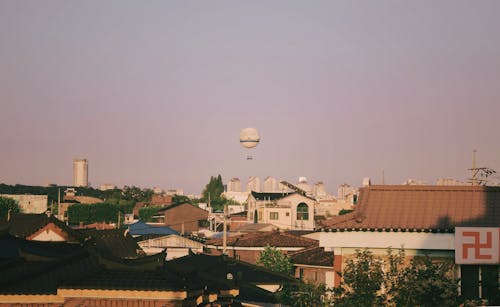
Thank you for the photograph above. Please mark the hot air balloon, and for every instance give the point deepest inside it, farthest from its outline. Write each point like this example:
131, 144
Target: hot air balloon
249, 138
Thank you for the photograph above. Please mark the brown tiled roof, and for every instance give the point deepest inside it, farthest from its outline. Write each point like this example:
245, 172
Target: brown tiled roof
439, 208
313, 256
271, 238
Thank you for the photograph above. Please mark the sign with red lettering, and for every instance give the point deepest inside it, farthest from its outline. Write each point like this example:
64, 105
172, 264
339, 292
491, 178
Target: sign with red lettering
477, 245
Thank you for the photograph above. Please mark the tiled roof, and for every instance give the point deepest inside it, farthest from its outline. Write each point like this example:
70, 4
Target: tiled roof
115, 243
218, 266
313, 256
24, 225
428, 208
271, 238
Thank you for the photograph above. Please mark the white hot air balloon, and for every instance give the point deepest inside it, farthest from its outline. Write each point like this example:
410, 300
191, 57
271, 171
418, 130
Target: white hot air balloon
249, 138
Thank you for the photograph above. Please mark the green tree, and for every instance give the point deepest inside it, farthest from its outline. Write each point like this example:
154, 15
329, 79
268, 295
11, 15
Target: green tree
426, 283
136, 194
95, 213
362, 280
7, 204
181, 199
389, 281
146, 214
274, 260
214, 188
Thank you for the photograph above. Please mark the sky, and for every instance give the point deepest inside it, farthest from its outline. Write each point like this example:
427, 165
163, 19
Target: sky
155, 93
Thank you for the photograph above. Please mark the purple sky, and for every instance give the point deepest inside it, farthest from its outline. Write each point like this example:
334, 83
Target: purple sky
155, 93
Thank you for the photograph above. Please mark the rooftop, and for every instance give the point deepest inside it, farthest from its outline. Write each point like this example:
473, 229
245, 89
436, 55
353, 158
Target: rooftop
421, 208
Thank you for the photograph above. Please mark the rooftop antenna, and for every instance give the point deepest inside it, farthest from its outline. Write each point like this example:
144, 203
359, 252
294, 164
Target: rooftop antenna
479, 174
383, 178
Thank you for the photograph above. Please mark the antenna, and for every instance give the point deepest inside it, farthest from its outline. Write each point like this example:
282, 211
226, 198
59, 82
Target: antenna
482, 172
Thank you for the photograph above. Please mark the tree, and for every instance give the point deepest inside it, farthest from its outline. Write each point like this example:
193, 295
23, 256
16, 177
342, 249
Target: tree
388, 281
303, 294
362, 281
181, 199
427, 283
7, 204
214, 188
146, 214
95, 213
271, 258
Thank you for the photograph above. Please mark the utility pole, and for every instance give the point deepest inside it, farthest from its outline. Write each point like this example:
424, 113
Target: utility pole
59, 204
224, 233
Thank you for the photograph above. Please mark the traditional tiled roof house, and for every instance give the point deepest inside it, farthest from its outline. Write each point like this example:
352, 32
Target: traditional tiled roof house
248, 247
424, 220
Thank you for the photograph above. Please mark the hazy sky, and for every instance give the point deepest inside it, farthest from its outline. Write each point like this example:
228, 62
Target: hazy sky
154, 93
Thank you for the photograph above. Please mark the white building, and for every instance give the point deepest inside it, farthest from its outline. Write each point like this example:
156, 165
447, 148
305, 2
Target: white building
234, 185
253, 184
80, 173
270, 184
107, 186
292, 211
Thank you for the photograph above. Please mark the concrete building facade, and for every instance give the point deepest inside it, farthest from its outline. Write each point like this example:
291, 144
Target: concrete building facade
80, 173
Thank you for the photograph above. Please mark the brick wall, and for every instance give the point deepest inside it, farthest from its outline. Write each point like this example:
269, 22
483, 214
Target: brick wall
185, 217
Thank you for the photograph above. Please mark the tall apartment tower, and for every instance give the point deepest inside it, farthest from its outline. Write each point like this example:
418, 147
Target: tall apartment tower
234, 185
80, 173
253, 184
270, 184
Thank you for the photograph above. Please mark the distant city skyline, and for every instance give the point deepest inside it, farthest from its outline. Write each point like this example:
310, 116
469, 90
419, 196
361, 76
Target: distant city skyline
155, 94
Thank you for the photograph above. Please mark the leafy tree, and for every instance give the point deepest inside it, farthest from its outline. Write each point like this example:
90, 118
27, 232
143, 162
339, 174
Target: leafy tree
180, 199
95, 213
389, 281
214, 188
302, 294
363, 278
274, 260
7, 204
146, 214
136, 194
427, 283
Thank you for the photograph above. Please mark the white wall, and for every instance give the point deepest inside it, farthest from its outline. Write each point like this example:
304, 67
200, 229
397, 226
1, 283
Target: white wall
368, 239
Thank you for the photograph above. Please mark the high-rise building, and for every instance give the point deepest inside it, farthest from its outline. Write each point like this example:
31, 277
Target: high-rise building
270, 184
253, 184
80, 173
234, 185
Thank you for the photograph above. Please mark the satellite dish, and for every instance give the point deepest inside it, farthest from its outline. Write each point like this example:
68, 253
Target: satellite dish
249, 137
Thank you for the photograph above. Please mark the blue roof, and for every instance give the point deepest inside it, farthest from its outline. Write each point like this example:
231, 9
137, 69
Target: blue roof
141, 228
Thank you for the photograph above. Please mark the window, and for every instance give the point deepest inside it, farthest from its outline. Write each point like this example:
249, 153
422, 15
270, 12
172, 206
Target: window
287, 214
302, 212
273, 215
479, 281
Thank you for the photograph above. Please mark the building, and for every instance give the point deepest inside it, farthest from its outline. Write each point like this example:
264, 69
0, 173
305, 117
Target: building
314, 265
184, 217
305, 186
29, 203
458, 223
253, 184
344, 190
449, 181
248, 247
292, 211
234, 185
107, 186
270, 185
95, 268
80, 173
